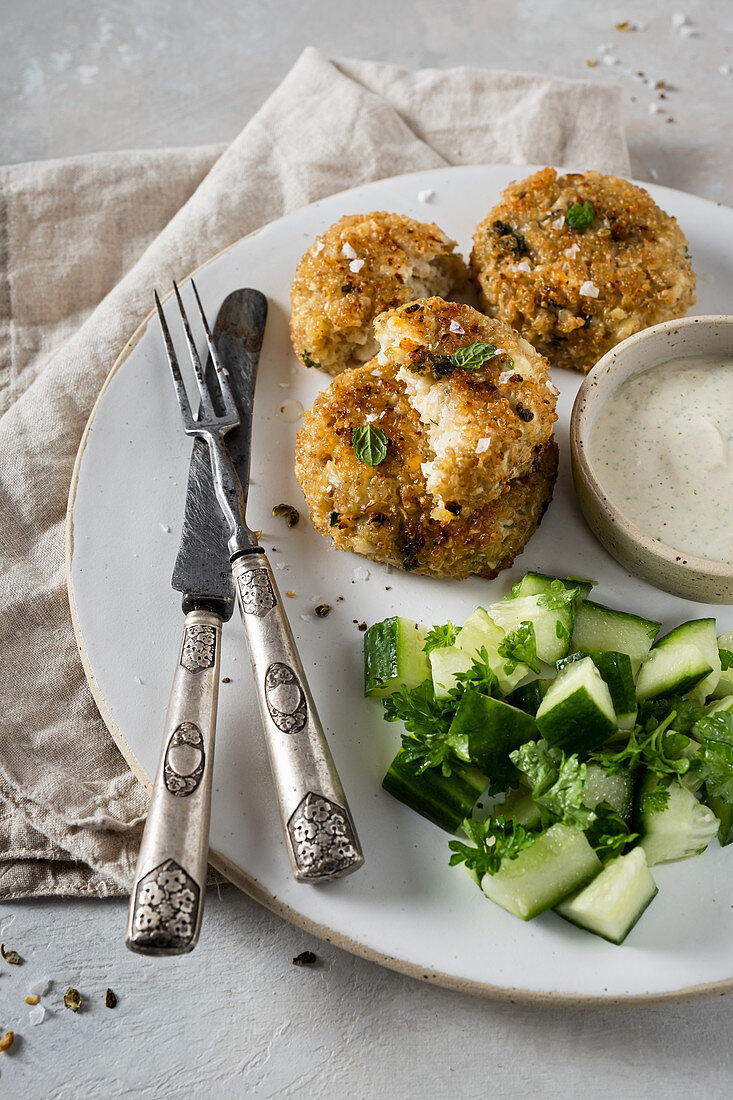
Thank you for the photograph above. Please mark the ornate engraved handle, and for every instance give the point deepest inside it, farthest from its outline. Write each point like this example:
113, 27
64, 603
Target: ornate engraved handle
167, 896
320, 835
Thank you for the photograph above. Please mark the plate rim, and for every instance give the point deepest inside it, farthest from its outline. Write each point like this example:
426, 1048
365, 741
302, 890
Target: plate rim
251, 886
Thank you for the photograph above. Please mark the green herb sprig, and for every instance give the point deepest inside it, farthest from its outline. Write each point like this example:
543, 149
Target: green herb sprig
580, 215
370, 444
494, 839
470, 358
440, 637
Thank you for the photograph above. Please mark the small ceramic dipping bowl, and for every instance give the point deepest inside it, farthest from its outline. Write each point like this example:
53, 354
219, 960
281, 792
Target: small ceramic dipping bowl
694, 578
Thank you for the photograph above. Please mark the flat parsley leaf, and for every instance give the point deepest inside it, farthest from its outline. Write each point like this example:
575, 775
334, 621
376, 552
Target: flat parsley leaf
470, 358
726, 659
479, 677
715, 759
520, 647
558, 597
653, 746
609, 834
427, 721
370, 444
440, 637
494, 839
657, 799
580, 215
557, 783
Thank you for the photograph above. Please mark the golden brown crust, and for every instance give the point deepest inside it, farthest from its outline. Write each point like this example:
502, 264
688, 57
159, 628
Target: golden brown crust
362, 265
385, 512
539, 275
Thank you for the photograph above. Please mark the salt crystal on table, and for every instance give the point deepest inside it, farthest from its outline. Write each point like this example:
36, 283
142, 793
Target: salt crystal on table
724, 70
361, 574
679, 19
654, 108
36, 1015
425, 196
165, 528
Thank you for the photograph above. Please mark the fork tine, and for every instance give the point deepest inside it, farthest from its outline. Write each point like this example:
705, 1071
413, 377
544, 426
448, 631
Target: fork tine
178, 384
207, 408
230, 405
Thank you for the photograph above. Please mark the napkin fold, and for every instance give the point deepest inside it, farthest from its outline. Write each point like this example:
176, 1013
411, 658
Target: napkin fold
82, 243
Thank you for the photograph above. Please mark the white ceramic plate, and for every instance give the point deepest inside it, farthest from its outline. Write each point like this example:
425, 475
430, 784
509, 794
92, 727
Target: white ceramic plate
405, 908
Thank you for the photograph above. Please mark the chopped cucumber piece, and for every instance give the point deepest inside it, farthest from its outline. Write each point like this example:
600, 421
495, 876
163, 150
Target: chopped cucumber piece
559, 862
486, 730
672, 670
598, 629
725, 683
393, 655
444, 664
616, 670
552, 625
724, 813
444, 800
534, 584
701, 634
520, 806
577, 714
683, 829
529, 696
611, 904
480, 632
720, 706
617, 789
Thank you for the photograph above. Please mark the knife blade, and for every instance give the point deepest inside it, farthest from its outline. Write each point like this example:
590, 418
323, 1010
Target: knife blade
202, 572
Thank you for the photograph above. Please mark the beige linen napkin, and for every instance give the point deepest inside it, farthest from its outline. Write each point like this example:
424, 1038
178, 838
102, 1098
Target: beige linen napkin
82, 243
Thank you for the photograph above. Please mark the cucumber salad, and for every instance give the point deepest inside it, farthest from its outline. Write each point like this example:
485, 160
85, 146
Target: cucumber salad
569, 749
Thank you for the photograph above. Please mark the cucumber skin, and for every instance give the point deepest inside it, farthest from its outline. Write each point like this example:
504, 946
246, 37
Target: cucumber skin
382, 674
616, 670
444, 801
487, 730
529, 696
575, 723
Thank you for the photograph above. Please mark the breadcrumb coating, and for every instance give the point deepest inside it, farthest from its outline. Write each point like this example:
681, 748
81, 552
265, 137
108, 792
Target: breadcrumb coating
576, 292
362, 265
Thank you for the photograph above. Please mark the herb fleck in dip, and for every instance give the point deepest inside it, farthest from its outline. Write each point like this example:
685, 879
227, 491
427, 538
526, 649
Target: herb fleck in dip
662, 450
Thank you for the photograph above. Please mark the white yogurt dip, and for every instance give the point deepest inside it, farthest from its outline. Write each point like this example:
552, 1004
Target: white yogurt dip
662, 450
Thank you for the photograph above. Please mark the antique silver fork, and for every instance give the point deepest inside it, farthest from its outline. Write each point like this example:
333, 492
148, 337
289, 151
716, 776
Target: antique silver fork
320, 836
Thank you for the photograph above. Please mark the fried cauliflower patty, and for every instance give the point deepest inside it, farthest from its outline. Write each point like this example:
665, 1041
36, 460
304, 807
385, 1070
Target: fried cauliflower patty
362, 265
412, 510
577, 263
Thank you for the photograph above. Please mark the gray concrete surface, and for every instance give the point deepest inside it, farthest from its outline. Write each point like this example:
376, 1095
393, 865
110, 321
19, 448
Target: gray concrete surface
237, 1018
